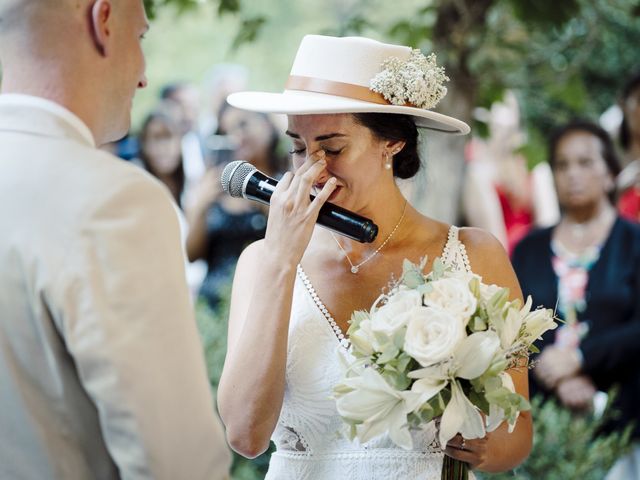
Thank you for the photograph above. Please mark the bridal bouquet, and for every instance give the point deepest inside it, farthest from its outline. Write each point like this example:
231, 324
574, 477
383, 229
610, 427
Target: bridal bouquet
437, 345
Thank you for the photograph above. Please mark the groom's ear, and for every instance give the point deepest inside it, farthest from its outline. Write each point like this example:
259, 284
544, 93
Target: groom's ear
101, 16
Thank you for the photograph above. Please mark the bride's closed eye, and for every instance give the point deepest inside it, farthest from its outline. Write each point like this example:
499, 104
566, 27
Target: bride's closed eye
296, 151
326, 150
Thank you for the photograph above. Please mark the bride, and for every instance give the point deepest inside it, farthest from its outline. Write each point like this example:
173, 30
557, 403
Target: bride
354, 108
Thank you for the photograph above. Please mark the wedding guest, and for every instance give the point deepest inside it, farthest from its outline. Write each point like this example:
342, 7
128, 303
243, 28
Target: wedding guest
102, 375
160, 151
220, 81
161, 155
501, 194
220, 226
186, 97
294, 291
588, 265
629, 178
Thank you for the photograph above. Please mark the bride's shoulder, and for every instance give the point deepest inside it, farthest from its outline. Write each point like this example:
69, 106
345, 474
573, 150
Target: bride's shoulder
488, 258
477, 239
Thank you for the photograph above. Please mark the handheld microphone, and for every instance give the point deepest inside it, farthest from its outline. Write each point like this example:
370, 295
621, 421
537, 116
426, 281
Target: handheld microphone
241, 179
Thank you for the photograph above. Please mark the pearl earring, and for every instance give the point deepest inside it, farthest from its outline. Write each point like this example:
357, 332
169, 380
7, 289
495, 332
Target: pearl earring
387, 164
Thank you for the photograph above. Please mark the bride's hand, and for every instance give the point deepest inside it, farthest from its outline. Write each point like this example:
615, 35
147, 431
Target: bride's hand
473, 452
292, 214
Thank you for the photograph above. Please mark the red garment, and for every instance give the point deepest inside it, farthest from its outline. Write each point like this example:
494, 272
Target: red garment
517, 220
629, 204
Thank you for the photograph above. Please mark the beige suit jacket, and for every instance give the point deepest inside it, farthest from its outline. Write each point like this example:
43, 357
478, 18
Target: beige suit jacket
101, 369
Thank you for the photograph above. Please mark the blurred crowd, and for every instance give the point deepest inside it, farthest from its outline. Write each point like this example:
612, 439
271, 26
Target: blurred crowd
570, 223
185, 141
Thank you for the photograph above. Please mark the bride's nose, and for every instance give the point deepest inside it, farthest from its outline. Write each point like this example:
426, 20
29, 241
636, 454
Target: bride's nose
324, 175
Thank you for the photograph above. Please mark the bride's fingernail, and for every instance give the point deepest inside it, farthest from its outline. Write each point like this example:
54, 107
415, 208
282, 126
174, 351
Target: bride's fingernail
332, 180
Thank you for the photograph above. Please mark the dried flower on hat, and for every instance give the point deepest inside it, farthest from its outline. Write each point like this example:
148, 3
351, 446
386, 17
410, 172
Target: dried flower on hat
417, 81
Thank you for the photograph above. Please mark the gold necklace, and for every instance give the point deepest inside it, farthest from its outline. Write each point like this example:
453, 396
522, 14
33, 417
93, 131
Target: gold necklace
355, 268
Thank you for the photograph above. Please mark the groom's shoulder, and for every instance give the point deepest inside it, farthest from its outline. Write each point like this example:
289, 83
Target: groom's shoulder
105, 175
101, 185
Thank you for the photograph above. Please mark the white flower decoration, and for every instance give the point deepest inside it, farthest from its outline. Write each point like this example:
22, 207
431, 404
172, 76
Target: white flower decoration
417, 81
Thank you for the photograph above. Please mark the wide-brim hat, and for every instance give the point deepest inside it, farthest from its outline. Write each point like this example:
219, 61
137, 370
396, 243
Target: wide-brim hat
358, 75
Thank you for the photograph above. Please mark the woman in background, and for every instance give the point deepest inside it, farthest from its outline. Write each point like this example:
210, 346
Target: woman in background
588, 265
220, 226
160, 151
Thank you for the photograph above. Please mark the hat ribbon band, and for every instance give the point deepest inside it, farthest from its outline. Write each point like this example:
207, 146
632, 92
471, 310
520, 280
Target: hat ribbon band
340, 89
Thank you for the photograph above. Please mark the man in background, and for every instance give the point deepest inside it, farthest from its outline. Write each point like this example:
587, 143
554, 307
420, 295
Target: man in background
101, 370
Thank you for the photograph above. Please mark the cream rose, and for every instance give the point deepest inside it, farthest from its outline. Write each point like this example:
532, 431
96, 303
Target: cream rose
394, 315
453, 295
432, 335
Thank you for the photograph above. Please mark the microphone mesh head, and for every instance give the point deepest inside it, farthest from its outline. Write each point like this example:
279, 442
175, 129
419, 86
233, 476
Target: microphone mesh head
234, 175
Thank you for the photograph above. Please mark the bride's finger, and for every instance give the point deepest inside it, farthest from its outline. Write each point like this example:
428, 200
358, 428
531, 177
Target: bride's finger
322, 196
311, 160
285, 181
305, 182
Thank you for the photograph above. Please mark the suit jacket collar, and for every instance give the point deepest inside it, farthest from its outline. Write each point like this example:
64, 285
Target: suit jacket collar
38, 116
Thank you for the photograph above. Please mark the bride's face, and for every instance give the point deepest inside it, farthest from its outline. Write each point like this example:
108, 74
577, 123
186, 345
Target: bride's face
354, 156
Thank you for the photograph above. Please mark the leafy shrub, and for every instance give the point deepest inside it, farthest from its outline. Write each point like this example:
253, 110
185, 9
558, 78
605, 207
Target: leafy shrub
567, 446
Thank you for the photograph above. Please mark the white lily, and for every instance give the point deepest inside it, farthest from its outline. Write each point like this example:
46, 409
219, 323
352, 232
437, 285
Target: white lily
363, 338
536, 323
379, 407
430, 380
474, 354
460, 415
510, 328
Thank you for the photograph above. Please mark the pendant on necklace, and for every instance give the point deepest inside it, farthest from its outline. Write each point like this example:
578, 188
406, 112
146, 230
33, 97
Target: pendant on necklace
354, 269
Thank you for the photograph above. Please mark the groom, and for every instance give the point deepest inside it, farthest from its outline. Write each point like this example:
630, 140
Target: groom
101, 369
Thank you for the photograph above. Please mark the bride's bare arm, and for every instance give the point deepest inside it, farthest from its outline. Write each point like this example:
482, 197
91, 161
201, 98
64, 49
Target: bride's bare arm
252, 384
251, 389
499, 450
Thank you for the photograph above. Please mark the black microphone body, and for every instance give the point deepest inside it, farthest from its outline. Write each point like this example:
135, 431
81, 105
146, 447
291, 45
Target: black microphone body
259, 187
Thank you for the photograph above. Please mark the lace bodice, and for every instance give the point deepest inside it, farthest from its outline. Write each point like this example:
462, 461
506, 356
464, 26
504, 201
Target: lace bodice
309, 434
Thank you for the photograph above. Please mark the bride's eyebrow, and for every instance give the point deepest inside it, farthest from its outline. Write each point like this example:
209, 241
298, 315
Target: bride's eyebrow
320, 137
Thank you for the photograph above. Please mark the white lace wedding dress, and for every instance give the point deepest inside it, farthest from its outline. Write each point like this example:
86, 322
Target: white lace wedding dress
308, 436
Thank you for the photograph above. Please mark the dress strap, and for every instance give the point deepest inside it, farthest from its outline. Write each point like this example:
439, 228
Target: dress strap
454, 254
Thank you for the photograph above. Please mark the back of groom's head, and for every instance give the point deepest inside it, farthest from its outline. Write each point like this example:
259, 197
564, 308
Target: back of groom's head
83, 54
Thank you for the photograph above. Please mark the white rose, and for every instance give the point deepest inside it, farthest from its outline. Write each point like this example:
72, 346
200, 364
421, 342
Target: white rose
394, 314
432, 335
462, 275
453, 295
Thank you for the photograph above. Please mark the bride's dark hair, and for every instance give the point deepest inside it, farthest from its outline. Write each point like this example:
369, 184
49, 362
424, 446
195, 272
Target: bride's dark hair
390, 126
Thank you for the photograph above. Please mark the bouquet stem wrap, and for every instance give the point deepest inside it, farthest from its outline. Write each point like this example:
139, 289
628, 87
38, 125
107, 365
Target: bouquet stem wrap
453, 469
